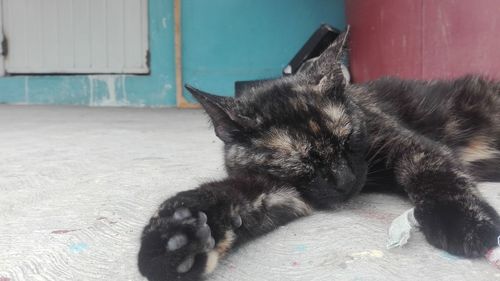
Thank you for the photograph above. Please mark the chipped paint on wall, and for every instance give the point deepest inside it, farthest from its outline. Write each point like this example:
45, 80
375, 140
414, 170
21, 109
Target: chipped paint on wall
164, 22
110, 85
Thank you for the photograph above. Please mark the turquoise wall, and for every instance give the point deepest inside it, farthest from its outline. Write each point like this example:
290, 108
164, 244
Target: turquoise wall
223, 41
229, 40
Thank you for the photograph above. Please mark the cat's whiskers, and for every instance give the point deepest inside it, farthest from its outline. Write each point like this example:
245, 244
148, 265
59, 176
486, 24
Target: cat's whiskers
378, 171
378, 152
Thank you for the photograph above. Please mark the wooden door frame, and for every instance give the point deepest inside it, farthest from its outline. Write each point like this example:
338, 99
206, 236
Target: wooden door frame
3, 42
181, 100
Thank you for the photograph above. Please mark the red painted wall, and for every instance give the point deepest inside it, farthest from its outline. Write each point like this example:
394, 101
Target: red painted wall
424, 38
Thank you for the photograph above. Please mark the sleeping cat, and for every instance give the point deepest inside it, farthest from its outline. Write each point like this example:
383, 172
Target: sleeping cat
312, 141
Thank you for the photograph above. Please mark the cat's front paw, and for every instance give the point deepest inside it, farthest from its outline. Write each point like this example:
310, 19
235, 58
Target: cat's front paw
175, 246
467, 228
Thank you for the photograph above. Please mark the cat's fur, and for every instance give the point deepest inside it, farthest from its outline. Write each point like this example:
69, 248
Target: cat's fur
312, 141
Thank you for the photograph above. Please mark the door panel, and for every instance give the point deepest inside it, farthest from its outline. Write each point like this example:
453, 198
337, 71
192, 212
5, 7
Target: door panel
76, 36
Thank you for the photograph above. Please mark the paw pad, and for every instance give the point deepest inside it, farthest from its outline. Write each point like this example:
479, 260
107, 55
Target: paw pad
177, 242
182, 213
186, 265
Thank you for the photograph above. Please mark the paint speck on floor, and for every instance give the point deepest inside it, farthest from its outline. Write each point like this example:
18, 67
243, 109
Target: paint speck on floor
380, 216
295, 264
449, 257
369, 254
4, 278
105, 219
63, 231
300, 248
77, 248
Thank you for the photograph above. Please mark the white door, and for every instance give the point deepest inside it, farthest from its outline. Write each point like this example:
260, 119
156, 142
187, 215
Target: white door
75, 36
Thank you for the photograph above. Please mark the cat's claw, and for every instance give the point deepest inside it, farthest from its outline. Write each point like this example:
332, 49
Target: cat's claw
202, 218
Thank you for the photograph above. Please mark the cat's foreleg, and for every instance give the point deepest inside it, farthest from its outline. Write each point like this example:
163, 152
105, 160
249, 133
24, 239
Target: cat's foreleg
191, 231
452, 214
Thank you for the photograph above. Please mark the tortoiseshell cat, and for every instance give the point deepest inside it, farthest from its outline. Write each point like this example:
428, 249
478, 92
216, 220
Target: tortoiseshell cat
312, 141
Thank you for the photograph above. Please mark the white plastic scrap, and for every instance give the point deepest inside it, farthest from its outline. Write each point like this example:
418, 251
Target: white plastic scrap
399, 231
493, 255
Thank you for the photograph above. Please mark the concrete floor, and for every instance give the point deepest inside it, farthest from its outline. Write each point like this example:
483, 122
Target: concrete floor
78, 184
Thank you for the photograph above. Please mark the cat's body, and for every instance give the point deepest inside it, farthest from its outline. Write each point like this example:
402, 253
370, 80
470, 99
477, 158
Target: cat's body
311, 142
461, 114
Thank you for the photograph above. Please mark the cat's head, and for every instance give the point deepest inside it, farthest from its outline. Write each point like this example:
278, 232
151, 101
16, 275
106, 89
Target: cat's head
301, 129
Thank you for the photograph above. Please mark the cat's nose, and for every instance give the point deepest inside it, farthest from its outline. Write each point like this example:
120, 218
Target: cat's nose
345, 180
323, 182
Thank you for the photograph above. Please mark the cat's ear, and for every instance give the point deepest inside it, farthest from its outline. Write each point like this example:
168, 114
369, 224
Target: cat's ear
333, 56
221, 112
329, 68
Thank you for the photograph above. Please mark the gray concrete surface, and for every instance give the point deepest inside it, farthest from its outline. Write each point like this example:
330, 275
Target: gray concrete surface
77, 185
